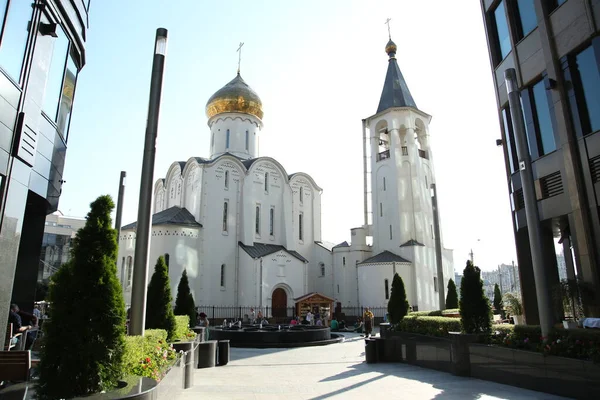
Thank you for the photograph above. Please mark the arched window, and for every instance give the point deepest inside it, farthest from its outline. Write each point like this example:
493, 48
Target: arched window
257, 222
322, 269
384, 183
167, 258
381, 209
301, 194
271, 221
226, 179
123, 271
387, 289
227, 140
225, 217
247, 140
223, 275
344, 261
300, 227
129, 270
266, 181
390, 232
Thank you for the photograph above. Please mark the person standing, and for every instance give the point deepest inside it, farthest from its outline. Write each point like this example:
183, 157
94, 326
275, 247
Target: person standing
309, 317
368, 318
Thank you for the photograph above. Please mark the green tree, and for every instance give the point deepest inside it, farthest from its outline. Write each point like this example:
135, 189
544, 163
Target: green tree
452, 296
159, 311
85, 339
184, 303
497, 299
475, 311
397, 305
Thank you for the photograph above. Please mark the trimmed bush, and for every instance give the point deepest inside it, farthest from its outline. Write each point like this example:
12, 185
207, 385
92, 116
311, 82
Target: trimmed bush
497, 299
450, 311
182, 328
475, 311
398, 305
148, 355
184, 303
159, 311
432, 326
85, 339
452, 296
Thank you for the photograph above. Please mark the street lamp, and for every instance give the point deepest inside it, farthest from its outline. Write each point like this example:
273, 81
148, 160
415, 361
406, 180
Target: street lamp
142, 243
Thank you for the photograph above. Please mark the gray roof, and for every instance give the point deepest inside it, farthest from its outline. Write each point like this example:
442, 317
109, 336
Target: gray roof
385, 257
343, 244
412, 242
395, 90
259, 250
171, 216
326, 245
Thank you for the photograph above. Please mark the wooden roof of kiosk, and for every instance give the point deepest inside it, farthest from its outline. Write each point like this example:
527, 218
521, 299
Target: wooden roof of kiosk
312, 299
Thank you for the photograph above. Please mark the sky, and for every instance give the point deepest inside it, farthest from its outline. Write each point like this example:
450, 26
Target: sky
319, 68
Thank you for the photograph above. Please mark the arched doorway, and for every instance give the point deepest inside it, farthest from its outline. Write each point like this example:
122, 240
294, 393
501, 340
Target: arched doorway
279, 303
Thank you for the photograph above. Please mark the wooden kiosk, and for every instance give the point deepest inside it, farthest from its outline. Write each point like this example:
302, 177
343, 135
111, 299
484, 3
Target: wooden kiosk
315, 303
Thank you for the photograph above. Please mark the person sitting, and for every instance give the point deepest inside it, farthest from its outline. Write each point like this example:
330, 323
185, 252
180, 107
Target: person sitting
319, 322
358, 326
14, 317
294, 321
342, 325
305, 321
334, 325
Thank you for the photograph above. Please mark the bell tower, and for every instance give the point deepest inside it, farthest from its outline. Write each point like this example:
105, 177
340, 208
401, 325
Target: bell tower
399, 171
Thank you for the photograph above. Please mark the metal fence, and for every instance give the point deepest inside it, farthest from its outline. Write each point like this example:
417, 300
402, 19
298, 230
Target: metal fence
216, 314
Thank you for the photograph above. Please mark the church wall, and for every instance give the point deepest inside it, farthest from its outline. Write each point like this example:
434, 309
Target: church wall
319, 282
193, 188
304, 198
264, 187
237, 124
372, 282
184, 247
220, 244
174, 187
345, 261
283, 270
426, 268
249, 280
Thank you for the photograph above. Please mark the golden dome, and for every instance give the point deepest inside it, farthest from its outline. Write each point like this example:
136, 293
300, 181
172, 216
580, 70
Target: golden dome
236, 96
390, 48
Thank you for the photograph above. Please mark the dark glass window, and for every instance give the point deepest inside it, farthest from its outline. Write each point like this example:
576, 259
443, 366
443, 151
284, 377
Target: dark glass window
271, 221
527, 17
257, 224
14, 35
554, 4
546, 142
227, 140
247, 140
66, 97
590, 88
343, 260
509, 140
226, 179
502, 32
225, 217
56, 74
266, 181
300, 230
167, 259
222, 275
387, 289
301, 194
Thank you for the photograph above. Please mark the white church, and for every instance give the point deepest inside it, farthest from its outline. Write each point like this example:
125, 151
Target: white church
248, 232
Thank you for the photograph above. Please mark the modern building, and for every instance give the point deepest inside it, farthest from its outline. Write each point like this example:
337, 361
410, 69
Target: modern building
248, 233
42, 49
59, 232
506, 276
555, 49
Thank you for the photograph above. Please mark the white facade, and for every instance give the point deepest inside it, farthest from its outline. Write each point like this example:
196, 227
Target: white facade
243, 227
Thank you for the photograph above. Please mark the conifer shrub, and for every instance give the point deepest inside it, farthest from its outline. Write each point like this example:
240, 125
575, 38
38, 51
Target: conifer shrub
397, 305
184, 303
159, 311
497, 299
452, 296
85, 339
475, 310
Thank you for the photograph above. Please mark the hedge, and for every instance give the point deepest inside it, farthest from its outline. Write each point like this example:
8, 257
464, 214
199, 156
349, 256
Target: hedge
182, 328
425, 325
434, 313
148, 355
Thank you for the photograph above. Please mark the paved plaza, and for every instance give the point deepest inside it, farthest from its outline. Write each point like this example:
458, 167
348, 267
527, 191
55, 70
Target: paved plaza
334, 372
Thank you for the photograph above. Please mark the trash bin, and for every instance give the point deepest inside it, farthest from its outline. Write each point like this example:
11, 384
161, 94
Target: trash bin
370, 351
381, 350
207, 354
223, 352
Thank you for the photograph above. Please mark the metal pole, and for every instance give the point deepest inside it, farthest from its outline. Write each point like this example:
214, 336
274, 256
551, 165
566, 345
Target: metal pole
140, 270
118, 218
438, 248
531, 210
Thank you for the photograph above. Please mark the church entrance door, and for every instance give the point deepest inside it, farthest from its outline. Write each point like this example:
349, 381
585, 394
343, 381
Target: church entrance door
279, 303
